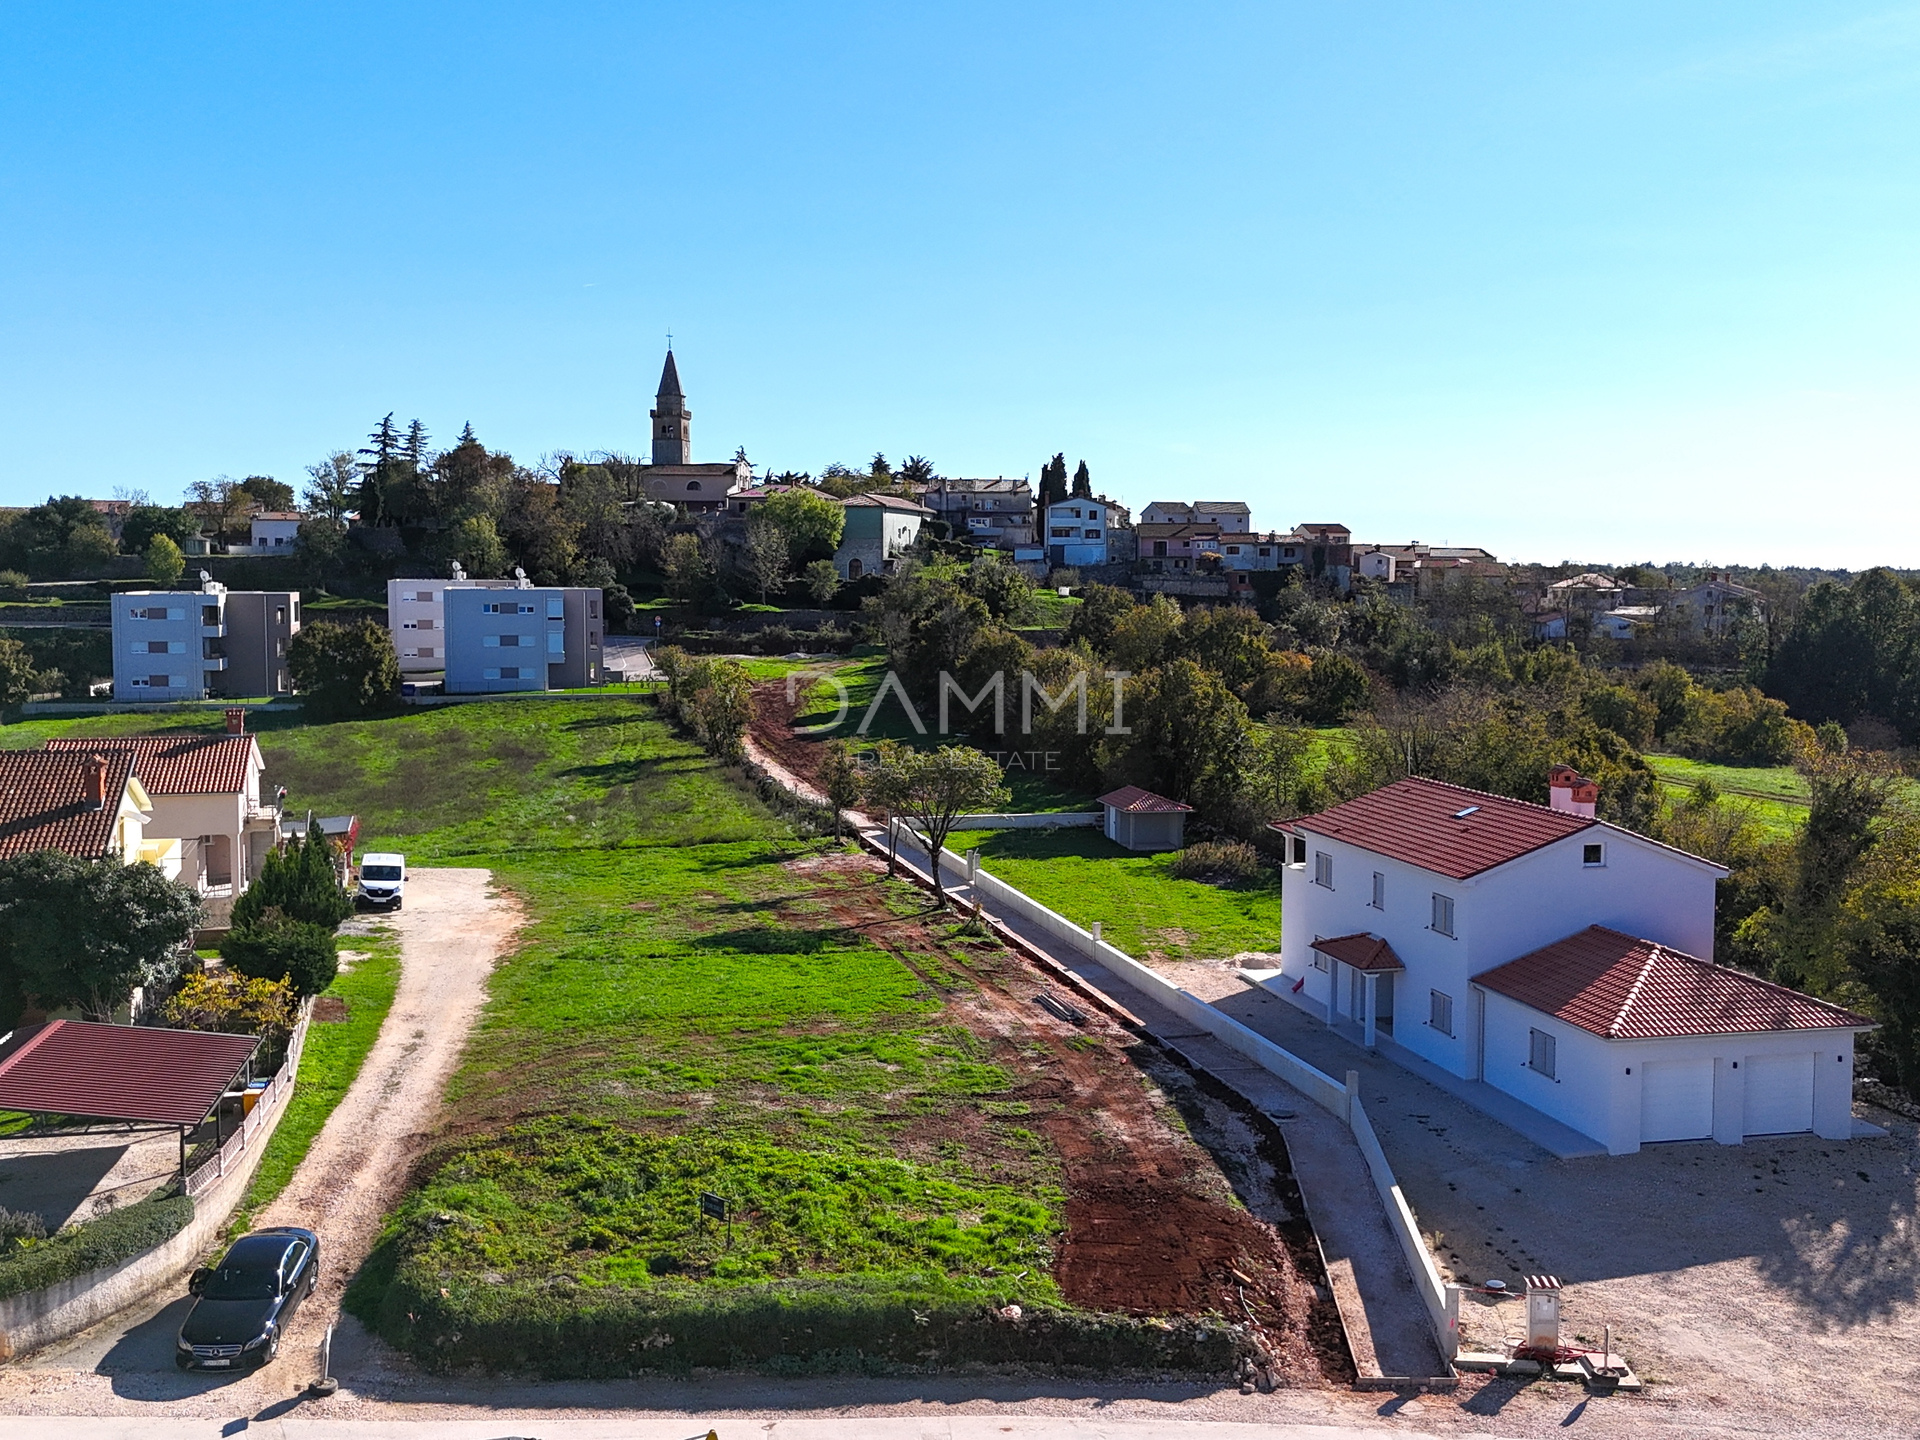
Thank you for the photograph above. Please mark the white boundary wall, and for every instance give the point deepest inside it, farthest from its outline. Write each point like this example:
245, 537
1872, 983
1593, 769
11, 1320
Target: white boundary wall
1043, 820
1340, 1097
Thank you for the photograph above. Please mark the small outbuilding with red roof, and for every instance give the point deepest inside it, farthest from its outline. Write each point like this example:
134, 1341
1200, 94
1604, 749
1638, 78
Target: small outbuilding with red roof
1556, 957
1142, 820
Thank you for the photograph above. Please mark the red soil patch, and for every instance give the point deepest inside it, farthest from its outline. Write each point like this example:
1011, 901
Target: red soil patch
1153, 1227
772, 730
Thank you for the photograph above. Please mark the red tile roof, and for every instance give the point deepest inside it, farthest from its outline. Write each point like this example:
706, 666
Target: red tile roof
1625, 988
193, 764
119, 1072
1362, 951
1135, 801
1448, 829
43, 801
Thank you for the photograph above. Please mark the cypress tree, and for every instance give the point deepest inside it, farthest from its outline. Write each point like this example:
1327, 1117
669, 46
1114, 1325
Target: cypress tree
1083, 482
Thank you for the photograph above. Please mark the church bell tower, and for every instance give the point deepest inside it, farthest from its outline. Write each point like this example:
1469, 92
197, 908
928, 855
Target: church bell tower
672, 421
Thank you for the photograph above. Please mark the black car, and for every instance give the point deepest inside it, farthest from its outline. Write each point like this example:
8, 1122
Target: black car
242, 1305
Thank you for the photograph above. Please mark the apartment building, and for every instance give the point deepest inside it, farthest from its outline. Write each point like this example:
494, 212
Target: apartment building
522, 637
192, 644
417, 619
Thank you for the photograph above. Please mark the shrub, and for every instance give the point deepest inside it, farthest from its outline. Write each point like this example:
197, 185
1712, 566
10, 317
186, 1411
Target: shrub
300, 882
18, 1225
277, 947
235, 1004
95, 1244
13, 585
1219, 862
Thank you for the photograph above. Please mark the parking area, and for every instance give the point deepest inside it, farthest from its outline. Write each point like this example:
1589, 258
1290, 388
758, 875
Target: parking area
1762, 1279
72, 1175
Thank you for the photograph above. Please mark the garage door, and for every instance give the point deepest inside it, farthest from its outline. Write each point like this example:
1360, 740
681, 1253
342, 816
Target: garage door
1779, 1093
1676, 1100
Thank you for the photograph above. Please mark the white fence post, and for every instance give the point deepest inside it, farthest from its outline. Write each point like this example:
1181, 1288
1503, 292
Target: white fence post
1353, 1094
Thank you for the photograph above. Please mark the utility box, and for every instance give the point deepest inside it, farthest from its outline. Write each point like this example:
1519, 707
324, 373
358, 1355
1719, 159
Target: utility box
1543, 1312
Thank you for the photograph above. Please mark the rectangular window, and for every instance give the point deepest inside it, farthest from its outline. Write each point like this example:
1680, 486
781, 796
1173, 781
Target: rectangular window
174, 647
1379, 901
426, 652
593, 608
511, 672
491, 607
1299, 850
426, 595
1541, 1052
1443, 915
556, 607
490, 642
526, 610
1321, 962
426, 624
279, 614
1593, 854
158, 680
493, 674
408, 625
1440, 1012
556, 642
1093, 534
1323, 869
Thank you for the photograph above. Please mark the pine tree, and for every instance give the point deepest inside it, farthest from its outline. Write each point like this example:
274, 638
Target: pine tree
416, 446
1082, 483
1053, 482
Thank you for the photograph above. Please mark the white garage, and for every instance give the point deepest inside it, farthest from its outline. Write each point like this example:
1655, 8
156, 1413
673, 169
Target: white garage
1676, 1100
1634, 1043
1778, 1093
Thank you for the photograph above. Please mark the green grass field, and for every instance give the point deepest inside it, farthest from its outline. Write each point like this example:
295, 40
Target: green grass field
1143, 909
1776, 796
332, 1058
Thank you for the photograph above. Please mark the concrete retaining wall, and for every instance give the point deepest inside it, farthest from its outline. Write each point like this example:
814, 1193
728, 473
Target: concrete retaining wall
40, 1317
1340, 1097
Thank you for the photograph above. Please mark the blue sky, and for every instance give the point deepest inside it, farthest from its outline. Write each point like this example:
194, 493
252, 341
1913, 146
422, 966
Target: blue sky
1626, 281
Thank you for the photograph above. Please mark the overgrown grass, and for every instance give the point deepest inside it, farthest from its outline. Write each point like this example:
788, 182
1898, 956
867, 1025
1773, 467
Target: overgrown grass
1776, 796
329, 1064
1143, 909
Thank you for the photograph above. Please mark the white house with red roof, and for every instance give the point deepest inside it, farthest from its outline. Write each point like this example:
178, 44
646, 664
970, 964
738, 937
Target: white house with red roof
204, 792
1556, 957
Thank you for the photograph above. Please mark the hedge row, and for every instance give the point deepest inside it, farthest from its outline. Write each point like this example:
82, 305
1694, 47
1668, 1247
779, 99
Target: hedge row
94, 1244
773, 640
888, 1324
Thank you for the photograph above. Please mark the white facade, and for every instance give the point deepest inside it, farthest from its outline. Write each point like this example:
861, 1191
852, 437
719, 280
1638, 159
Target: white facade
274, 532
1229, 515
1447, 932
417, 619
1625, 1093
1078, 531
167, 642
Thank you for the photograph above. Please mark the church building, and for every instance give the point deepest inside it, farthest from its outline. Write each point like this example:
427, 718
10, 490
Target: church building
673, 477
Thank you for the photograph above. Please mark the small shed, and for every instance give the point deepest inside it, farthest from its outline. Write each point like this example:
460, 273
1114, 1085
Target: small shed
1142, 820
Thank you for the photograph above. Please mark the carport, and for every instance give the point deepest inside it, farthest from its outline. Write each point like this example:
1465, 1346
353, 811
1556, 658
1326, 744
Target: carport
129, 1073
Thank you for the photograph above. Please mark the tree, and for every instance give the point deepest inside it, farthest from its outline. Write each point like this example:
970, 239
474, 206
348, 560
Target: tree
1053, 483
1083, 482
1001, 586
767, 556
58, 538
822, 580
692, 578
937, 786
299, 881
917, 470
278, 947
18, 680
1336, 690
813, 523
416, 449
592, 500
144, 522
620, 608
165, 563
1101, 609
476, 544
217, 504
86, 932
712, 696
841, 779
344, 670
267, 492
1191, 733
330, 487
379, 464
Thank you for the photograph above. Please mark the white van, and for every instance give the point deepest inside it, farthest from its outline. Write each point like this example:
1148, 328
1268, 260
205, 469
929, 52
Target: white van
383, 879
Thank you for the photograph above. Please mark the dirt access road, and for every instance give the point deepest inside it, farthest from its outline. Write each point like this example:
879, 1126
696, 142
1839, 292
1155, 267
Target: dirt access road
453, 928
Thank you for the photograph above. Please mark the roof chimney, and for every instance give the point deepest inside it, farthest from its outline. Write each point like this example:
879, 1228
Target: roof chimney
1570, 792
96, 791
236, 720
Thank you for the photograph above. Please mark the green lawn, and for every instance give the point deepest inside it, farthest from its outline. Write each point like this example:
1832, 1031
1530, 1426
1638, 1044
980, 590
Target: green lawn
332, 1058
1144, 910
1776, 796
